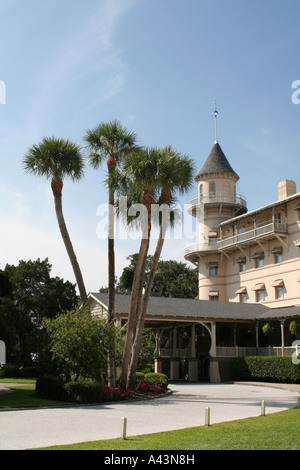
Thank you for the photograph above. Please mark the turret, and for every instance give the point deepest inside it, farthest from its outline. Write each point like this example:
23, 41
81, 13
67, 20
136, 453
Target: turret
215, 203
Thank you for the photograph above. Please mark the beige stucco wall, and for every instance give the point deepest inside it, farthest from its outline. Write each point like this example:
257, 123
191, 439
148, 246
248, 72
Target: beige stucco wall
229, 279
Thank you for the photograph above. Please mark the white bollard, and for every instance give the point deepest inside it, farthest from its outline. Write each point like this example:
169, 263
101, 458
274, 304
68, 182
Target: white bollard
263, 408
298, 402
124, 428
207, 416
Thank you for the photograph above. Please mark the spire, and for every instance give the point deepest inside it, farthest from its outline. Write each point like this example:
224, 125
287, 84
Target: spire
215, 113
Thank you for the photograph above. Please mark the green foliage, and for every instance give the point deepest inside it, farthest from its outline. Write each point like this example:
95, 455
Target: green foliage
19, 372
79, 343
268, 329
268, 369
51, 388
294, 327
29, 294
172, 278
84, 390
155, 378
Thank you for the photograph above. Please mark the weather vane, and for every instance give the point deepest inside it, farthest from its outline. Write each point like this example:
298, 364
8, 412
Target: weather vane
215, 113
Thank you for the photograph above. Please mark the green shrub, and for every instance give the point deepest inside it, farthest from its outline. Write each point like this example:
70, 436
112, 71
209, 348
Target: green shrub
51, 388
268, 369
84, 390
20, 372
157, 379
140, 377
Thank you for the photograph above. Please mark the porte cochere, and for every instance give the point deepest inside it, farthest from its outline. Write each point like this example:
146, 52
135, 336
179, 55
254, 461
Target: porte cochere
197, 340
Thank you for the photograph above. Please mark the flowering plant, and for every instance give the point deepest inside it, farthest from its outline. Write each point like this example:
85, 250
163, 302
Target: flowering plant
111, 393
147, 387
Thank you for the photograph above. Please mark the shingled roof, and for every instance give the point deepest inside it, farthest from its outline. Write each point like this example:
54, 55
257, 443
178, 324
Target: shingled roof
216, 162
200, 309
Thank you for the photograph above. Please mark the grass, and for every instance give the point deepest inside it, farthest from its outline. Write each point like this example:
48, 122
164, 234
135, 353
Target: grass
23, 396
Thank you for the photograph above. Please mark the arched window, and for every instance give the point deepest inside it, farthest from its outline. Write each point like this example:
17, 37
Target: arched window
212, 189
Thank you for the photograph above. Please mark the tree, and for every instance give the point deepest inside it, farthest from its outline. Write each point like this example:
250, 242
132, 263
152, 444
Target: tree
148, 177
112, 141
57, 159
32, 295
175, 174
172, 278
79, 343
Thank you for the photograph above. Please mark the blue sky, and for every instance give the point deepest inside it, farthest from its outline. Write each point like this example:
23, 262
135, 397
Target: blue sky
157, 66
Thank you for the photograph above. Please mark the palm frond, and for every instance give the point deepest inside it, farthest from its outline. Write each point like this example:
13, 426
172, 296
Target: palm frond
54, 157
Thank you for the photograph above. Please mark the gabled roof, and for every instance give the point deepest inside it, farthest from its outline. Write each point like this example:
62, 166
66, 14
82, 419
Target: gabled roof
173, 308
216, 162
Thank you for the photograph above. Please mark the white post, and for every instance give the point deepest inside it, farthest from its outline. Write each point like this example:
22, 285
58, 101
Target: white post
263, 408
124, 428
207, 416
298, 402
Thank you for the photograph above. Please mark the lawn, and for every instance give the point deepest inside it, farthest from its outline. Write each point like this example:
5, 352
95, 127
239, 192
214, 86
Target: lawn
276, 431
23, 396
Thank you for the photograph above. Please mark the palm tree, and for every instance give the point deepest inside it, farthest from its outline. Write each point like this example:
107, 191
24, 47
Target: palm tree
138, 180
112, 141
148, 177
176, 174
58, 159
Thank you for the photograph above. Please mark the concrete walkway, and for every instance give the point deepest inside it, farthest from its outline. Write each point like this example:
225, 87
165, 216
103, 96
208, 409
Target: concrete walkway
185, 407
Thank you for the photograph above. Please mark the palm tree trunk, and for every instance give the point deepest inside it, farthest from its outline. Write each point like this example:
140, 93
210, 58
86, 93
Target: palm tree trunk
135, 305
166, 198
143, 310
57, 185
111, 164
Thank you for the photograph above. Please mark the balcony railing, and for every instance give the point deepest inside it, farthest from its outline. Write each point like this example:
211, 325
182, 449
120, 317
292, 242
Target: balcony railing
217, 198
261, 230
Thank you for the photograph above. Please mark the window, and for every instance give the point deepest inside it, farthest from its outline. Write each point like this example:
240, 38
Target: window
259, 262
277, 252
260, 295
201, 192
213, 268
279, 292
277, 218
279, 288
243, 266
212, 190
260, 292
242, 292
214, 295
259, 259
242, 263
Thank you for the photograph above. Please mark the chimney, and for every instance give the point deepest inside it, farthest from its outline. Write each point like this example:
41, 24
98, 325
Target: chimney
286, 188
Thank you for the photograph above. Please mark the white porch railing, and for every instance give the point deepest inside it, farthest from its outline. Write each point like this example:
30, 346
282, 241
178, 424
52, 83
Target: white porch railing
237, 351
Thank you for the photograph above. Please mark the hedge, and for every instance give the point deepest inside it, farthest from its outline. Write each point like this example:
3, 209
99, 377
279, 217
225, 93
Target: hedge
268, 369
82, 390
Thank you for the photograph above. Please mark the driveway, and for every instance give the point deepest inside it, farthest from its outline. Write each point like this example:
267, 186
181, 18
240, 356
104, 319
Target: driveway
184, 407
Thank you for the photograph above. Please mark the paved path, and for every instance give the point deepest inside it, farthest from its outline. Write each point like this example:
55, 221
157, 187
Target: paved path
185, 407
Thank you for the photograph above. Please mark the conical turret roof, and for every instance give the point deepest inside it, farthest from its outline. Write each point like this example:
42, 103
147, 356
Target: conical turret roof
216, 162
